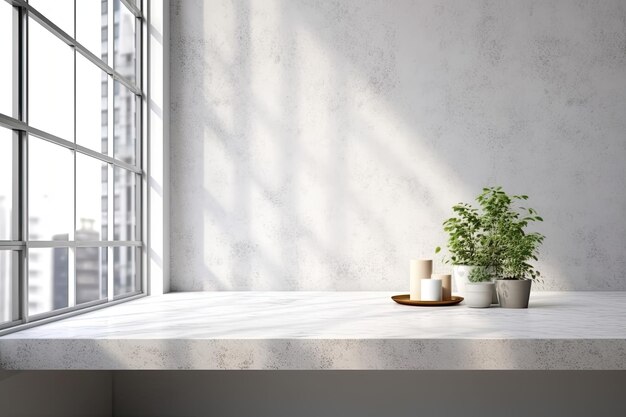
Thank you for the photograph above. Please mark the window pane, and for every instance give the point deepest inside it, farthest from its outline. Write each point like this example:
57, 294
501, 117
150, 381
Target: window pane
50, 191
91, 198
125, 270
6, 285
6, 65
51, 83
124, 40
6, 182
47, 279
91, 26
91, 105
91, 274
124, 128
60, 12
125, 213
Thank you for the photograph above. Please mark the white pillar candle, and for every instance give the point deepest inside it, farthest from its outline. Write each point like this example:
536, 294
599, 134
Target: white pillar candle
431, 289
420, 269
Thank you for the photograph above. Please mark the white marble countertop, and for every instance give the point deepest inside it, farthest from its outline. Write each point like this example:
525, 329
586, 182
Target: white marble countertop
328, 330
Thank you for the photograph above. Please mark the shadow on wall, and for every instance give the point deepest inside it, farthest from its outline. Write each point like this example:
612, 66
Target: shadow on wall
319, 146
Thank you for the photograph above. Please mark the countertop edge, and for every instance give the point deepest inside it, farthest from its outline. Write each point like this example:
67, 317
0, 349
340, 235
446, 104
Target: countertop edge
313, 354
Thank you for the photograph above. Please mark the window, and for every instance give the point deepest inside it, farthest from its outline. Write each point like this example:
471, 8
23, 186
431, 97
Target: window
6, 65
7, 289
47, 280
91, 105
91, 31
70, 164
91, 274
125, 48
91, 199
50, 191
6, 184
124, 123
60, 12
50, 82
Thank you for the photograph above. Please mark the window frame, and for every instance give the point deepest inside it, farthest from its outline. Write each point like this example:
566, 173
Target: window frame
20, 244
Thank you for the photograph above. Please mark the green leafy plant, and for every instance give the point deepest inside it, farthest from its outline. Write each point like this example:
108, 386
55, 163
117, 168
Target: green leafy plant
463, 230
494, 238
506, 247
480, 274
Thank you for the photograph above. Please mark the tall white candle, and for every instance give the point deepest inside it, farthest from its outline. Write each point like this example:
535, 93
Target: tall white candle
431, 289
420, 269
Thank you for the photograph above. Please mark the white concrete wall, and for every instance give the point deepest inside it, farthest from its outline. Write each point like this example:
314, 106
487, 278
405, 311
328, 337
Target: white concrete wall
319, 144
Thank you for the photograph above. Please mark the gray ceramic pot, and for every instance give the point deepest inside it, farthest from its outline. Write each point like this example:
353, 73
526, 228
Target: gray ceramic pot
513, 293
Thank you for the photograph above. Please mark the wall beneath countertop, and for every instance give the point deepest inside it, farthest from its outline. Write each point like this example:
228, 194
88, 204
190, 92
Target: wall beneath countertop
319, 145
311, 393
369, 393
56, 393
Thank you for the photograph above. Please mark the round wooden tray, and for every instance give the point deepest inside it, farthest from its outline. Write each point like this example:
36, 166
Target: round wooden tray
404, 299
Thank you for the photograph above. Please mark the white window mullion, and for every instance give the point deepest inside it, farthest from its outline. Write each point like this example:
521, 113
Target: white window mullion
110, 207
111, 138
144, 143
71, 252
21, 34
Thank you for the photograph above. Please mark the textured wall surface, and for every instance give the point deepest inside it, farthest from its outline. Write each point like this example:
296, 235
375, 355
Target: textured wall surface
318, 145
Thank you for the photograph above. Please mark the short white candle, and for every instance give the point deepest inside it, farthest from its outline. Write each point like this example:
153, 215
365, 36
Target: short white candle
431, 289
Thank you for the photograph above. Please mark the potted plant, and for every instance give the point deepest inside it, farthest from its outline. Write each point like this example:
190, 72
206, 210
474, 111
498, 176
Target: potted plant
480, 291
507, 248
493, 245
463, 230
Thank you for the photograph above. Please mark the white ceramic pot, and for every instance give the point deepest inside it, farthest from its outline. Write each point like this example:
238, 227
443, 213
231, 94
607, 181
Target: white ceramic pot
479, 294
460, 277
